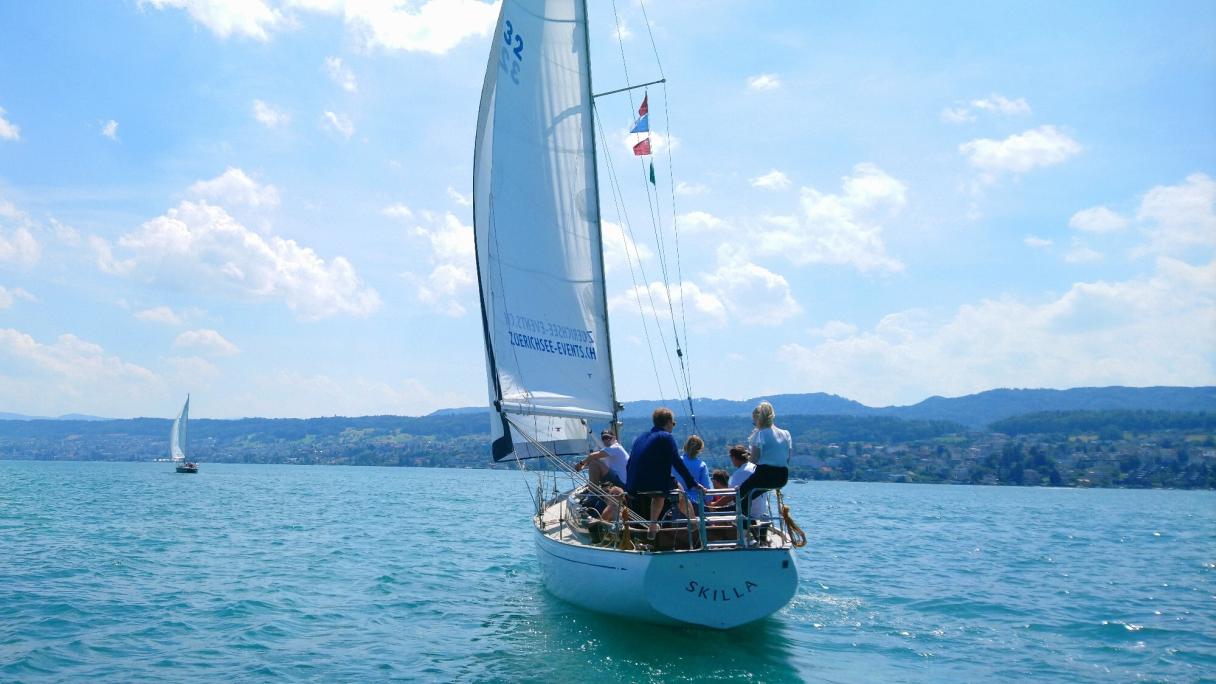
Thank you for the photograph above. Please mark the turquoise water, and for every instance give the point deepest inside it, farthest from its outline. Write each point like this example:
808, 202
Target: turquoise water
120, 572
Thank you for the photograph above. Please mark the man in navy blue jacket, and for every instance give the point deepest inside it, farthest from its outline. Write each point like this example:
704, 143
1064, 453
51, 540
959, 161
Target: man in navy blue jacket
651, 459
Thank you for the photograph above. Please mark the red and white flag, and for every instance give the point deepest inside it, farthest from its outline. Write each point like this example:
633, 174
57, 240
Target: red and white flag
642, 149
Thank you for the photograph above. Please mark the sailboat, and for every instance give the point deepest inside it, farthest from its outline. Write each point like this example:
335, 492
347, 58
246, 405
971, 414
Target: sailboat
540, 270
177, 440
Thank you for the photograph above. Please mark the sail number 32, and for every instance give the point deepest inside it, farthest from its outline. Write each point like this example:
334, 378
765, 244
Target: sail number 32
512, 54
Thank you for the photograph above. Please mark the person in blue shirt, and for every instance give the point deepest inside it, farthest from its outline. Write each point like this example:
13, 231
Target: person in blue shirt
700, 472
651, 460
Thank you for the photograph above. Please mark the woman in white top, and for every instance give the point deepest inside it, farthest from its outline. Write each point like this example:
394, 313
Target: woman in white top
771, 449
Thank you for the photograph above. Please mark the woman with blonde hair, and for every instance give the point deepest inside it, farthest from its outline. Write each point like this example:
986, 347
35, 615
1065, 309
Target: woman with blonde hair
771, 449
700, 472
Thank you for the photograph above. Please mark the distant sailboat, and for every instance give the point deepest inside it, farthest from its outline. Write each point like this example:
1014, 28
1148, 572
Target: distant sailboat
177, 440
536, 215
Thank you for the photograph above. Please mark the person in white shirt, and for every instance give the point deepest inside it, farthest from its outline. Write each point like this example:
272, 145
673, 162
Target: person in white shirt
743, 470
771, 449
607, 464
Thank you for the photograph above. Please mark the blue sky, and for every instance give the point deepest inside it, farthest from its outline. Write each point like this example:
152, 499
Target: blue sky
266, 203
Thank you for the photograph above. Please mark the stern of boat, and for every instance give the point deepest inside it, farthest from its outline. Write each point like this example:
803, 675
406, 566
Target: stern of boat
721, 589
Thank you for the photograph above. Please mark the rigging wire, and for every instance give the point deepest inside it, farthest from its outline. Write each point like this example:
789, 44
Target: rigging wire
656, 220
623, 217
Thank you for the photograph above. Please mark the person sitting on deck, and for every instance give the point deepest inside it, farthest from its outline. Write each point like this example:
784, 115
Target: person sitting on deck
607, 464
739, 458
720, 502
652, 458
691, 457
771, 449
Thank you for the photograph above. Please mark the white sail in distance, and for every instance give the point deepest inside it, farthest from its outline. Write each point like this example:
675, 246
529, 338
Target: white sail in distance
177, 434
537, 229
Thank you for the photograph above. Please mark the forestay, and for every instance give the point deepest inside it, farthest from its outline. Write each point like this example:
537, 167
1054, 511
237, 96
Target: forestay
537, 230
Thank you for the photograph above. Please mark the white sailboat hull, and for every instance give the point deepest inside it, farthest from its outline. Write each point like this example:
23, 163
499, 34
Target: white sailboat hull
716, 588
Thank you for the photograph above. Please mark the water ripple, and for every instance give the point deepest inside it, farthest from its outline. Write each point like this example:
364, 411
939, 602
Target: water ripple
114, 572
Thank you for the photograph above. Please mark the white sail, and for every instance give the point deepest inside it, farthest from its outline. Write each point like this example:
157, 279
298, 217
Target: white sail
537, 228
177, 434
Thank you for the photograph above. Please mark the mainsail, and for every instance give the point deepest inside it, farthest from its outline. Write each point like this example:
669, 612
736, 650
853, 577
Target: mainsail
177, 434
537, 230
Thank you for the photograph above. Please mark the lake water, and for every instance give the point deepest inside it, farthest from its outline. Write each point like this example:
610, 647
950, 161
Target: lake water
120, 572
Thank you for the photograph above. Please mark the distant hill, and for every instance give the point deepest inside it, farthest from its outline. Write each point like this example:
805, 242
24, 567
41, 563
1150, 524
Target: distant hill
68, 416
972, 410
978, 410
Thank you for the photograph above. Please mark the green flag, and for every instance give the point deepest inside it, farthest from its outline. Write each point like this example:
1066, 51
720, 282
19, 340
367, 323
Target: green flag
652, 173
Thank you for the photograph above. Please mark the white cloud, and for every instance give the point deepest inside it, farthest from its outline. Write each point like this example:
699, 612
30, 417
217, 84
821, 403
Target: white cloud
1096, 334
110, 129
1179, 217
1097, 220
737, 291
773, 180
995, 103
752, 294
341, 74
833, 330
103, 254
200, 246
452, 261
620, 251
957, 115
191, 371
160, 314
1002, 105
268, 116
434, 26
622, 31
764, 82
458, 198
235, 187
702, 309
338, 123
65, 234
19, 246
683, 188
839, 229
8, 129
9, 297
206, 340
17, 242
1042, 146
1036, 242
1081, 253
702, 222
10, 211
68, 371
398, 211
247, 18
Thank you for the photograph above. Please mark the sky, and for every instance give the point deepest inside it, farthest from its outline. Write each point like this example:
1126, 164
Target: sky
266, 203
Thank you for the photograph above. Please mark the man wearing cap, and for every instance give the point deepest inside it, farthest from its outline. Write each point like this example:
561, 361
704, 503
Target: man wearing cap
607, 464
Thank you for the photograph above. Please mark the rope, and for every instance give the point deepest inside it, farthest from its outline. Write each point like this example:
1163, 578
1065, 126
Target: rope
569, 469
796, 535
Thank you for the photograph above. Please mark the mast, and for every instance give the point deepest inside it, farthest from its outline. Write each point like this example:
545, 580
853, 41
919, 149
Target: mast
595, 183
